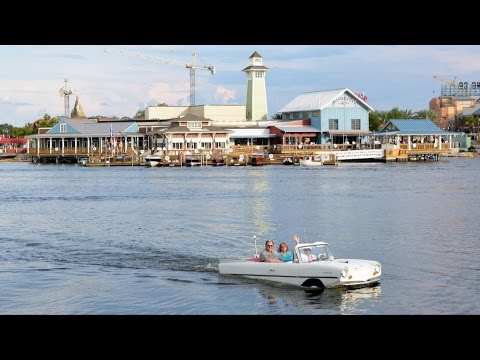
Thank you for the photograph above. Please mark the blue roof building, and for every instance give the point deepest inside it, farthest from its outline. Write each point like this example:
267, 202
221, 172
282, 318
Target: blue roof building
339, 115
415, 136
412, 127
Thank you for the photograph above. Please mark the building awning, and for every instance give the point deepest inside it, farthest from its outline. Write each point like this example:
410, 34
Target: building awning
262, 136
298, 129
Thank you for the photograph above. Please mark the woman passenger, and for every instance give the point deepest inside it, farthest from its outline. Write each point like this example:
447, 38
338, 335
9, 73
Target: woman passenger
283, 253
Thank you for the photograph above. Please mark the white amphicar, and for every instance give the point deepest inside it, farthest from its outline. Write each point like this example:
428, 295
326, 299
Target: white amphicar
314, 265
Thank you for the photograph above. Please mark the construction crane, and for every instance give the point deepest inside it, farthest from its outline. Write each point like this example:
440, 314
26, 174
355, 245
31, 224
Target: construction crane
448, 86
192, 66
66, 91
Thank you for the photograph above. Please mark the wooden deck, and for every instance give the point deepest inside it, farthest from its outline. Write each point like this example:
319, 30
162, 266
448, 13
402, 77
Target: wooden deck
236, 155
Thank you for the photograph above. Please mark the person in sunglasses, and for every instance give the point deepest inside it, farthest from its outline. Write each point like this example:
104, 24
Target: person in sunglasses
269, 254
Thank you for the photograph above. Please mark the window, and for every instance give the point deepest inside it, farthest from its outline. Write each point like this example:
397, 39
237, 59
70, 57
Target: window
355, 124
259, 74
63, 128
177, 146
206, 145
332, 124
315, 113
194, 124
305, 115
219, 145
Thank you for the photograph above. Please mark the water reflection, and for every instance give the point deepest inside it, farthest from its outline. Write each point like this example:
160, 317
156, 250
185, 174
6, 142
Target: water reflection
279, 298
352, 298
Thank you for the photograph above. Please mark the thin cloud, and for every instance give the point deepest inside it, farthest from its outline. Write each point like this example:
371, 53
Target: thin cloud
224, 95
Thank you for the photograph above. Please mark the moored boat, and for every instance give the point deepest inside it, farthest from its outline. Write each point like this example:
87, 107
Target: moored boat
319, 159
218, 162
153, 160
311, 161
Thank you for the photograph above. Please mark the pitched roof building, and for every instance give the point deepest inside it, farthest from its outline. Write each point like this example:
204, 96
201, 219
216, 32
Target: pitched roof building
340, 115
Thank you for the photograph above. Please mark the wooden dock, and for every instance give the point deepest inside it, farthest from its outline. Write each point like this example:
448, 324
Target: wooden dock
243, 155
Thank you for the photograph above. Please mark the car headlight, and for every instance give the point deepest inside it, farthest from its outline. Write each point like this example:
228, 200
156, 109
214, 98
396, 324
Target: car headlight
345, 272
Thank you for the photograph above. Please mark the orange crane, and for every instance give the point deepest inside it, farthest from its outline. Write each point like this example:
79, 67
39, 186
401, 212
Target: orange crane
192, 66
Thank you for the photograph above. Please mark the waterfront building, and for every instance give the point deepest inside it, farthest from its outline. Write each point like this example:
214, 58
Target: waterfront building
251, 135
189, 134
220, 115
71, 139
11, 147
294, 133
340, 116
415, 139
450, 108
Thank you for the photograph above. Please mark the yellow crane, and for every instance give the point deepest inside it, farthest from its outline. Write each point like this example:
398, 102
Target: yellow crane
450, 84
192, 66
444, 80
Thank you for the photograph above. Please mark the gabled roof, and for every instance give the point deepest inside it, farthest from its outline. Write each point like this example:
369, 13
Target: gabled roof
91, 127
412, 127
255, 67
318, 100
255, 54
104, 128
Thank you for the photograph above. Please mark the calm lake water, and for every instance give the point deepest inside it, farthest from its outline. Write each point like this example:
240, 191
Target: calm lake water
134, 240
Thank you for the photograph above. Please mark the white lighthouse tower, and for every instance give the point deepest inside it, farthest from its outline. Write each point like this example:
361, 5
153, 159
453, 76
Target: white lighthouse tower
256, 90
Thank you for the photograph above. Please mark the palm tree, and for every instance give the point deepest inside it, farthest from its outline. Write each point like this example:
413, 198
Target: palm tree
396, 113
426, 114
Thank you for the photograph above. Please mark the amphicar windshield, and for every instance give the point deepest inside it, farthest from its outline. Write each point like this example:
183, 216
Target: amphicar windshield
315, 252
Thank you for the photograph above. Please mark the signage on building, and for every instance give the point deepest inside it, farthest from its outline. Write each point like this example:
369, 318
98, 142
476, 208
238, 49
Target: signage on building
344, 101
362, 96
465, 85
464, 88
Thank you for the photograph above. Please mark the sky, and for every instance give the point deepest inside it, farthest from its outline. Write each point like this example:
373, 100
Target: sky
109, 84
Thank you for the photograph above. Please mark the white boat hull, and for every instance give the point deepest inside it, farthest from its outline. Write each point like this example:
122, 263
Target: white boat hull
153, 163
321, 274
153, 160
319, 160
310, 162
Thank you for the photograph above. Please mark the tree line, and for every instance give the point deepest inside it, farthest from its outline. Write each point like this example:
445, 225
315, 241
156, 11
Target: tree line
48, 121
378, 119
29, 128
